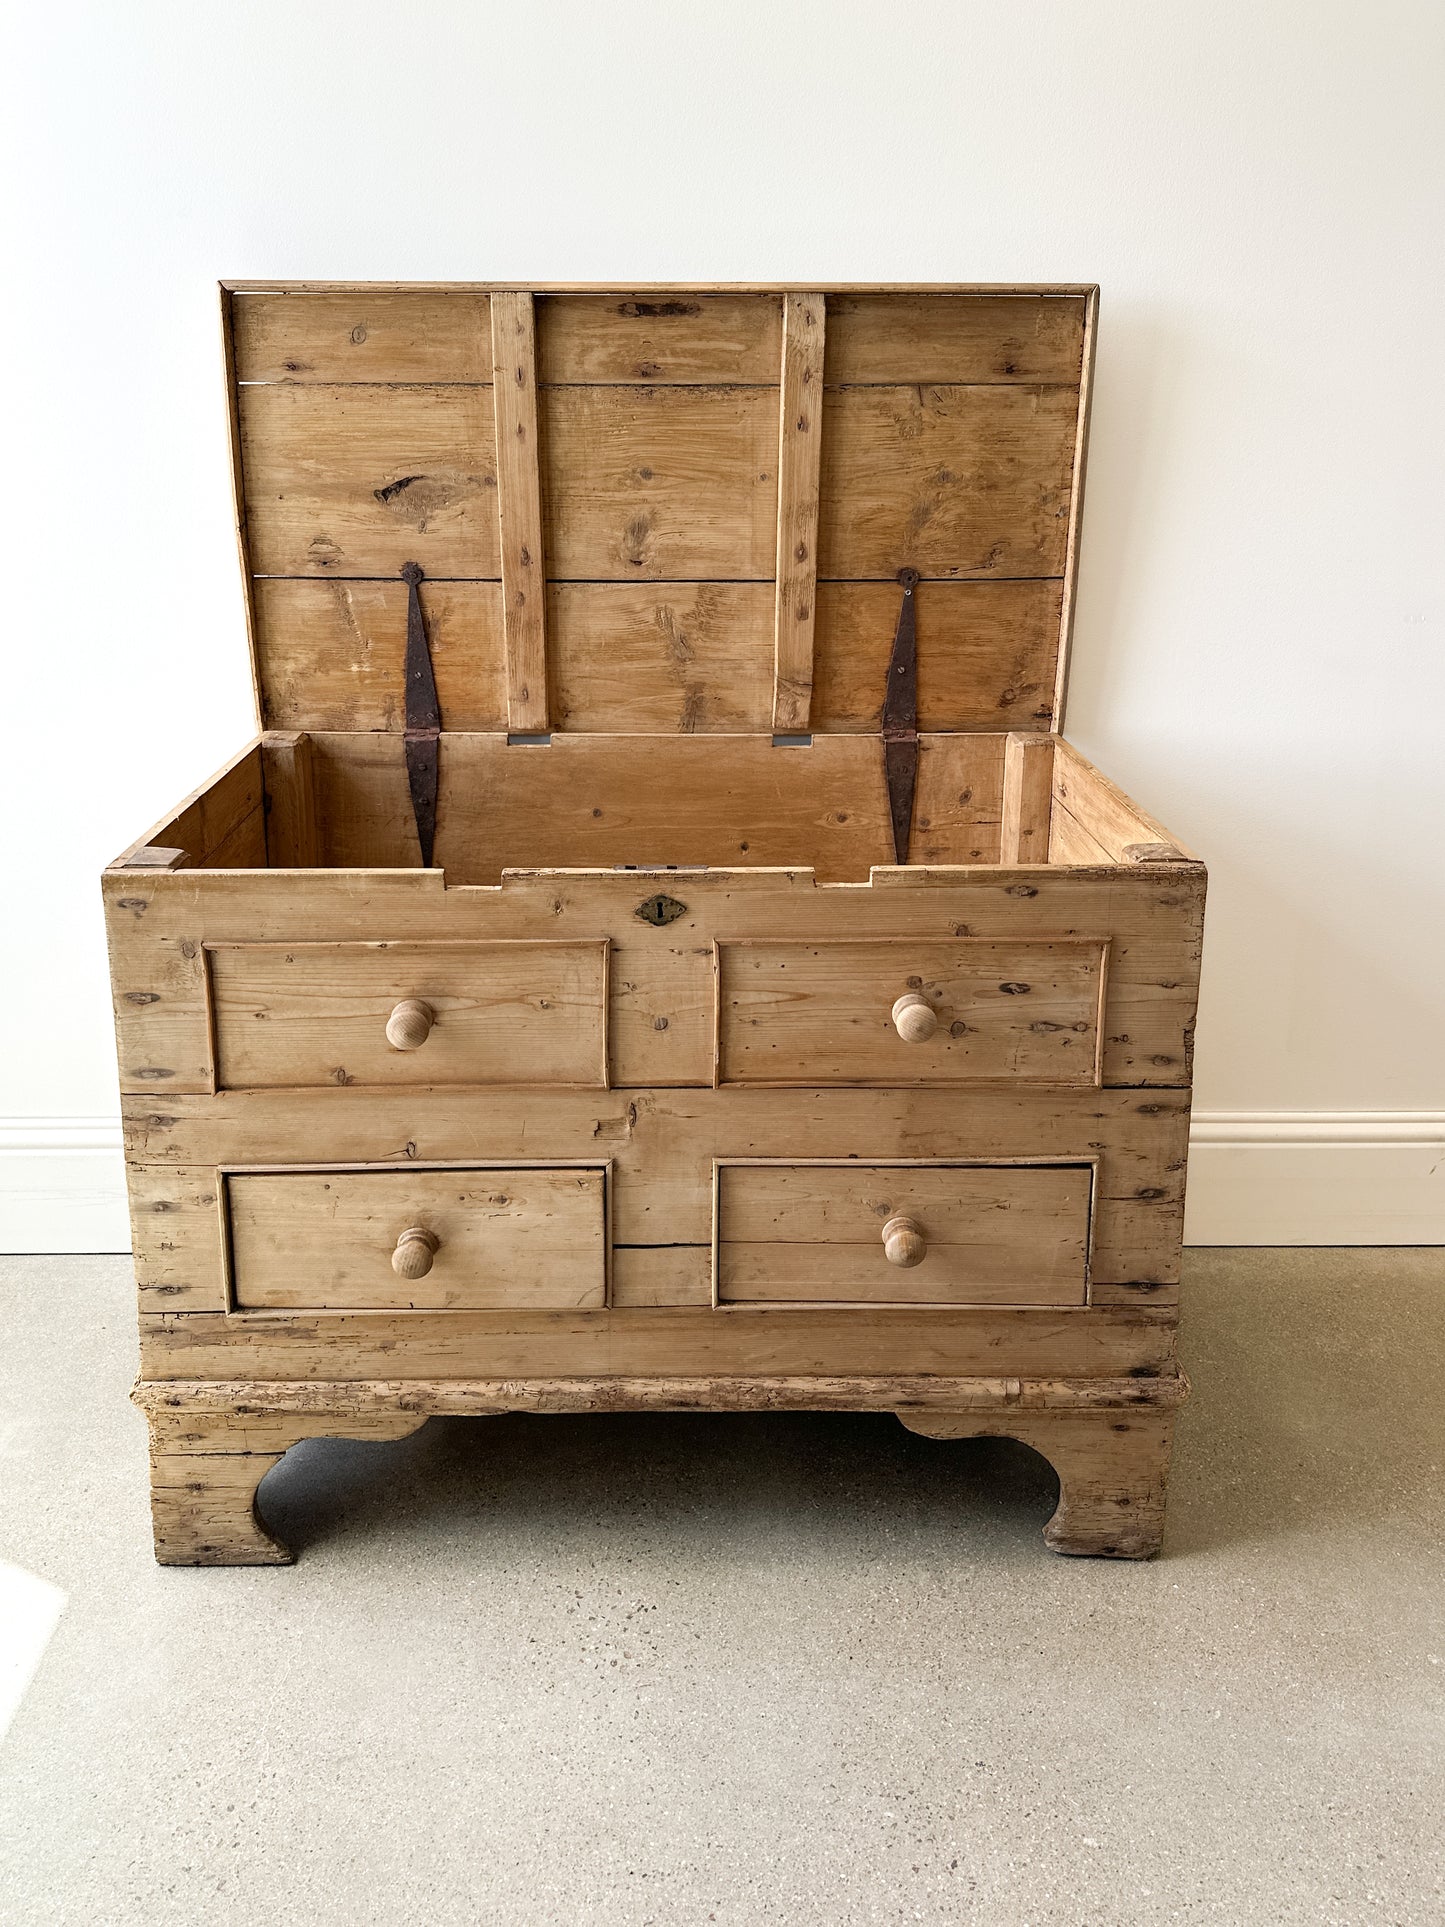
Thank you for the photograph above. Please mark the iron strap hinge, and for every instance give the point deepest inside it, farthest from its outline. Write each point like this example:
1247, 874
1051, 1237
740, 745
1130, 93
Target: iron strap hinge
423, 718
900, 720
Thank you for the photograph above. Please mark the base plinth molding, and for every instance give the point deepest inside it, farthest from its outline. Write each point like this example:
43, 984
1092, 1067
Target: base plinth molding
212, 1442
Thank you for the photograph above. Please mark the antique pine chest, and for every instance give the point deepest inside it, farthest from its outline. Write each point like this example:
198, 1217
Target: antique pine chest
658, 952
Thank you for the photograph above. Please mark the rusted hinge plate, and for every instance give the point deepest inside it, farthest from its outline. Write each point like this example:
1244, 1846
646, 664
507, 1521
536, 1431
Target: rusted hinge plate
423, 718
900, 720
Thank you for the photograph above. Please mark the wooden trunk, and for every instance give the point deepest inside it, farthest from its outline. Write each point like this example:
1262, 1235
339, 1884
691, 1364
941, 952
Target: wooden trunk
673, 1079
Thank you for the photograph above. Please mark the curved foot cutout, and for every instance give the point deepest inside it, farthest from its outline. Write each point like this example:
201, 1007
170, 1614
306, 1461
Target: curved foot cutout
1111, 1465
206, 1468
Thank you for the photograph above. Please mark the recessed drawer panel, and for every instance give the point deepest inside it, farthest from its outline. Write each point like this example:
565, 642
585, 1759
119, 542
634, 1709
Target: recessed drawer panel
901, 1011
395, 1240
309, 1014
888, 1234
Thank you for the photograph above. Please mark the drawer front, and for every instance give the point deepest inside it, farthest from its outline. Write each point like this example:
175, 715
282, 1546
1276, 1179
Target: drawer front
891, 1234
892, 1012
398, 1240
289, 1015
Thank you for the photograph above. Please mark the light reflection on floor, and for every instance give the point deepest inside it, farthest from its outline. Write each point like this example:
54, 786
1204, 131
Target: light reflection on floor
30, 1610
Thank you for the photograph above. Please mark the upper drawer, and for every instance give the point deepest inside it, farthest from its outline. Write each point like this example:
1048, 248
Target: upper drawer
409, 1013
397, 1240
889, 1234
949, 1010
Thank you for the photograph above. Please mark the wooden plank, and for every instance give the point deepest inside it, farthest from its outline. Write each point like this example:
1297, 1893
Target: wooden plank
319, 1014
332, 655
210, 813
952, 481
1069, 842
792, 1013
684, 657
293, 837
677, 657
519, 503
648, 288
419, 1344
1076, 506
325, 1240
715, 801
355, 480
999, 1235
1028, 773
238, 483
699, 339
189, 1414
175, 1216
1104, 813
363, 335
660, 483
985, 654
887, 338
800, 423
645, 1275
662, 1144
243, 847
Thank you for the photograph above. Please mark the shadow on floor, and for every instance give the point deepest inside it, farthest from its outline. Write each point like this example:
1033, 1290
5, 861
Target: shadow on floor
713, 1478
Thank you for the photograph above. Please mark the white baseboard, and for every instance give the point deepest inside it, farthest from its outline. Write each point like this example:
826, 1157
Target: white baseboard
1316, 1178
62, 1185
1255, 1178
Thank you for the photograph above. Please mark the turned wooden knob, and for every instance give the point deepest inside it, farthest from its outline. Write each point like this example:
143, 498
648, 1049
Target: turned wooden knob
915, 1020
409, 1026
904, 1242
414, 1252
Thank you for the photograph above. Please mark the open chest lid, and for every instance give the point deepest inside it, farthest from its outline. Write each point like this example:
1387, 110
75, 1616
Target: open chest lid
659, 510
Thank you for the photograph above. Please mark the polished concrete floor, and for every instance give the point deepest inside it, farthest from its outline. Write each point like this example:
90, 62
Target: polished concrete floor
743, 1670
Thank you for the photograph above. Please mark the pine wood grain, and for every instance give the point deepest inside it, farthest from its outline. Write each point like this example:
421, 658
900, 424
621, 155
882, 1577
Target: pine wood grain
888, 338
661, 483
1028, 771
332, 655
1048, 1342
293, 838
705, 340
354, 481
323, 1240
362, 335
519, 503
799, 452
1005, 1235
951, 481
797, 1013
291, 1015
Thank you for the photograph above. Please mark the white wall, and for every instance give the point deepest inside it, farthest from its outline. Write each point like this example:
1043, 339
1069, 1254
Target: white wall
1259, 652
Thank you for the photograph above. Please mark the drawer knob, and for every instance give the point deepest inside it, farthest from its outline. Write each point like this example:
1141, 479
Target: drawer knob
415, 1249
409, 1026
915, 1020
904, 1242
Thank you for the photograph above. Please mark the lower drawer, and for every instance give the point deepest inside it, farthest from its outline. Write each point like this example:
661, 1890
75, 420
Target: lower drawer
393, 1240
886, 1234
